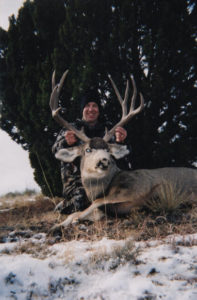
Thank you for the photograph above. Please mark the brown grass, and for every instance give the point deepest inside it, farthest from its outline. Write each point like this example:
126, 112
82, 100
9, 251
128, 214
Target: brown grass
118, 254
38, 216
168, 198
21, 214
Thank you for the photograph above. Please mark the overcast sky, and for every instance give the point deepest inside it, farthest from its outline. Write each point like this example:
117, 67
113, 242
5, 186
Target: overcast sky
8, 8
16, 173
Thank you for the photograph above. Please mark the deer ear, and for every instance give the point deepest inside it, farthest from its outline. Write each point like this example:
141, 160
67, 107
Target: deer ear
68, 154
118, 151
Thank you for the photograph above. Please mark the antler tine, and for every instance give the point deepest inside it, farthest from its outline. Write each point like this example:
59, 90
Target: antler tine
134, 93
56, 89
116, 90
62, 80
53, 80
125, 115
124, 104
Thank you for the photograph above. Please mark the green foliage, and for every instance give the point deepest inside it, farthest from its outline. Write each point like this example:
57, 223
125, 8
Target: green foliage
25, 112
154, 40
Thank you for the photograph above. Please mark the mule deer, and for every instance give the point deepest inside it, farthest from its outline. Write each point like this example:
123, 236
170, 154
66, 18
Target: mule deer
103, 182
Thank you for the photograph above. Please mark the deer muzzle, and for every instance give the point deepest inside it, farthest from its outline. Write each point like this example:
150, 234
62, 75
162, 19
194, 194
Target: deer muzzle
103, 164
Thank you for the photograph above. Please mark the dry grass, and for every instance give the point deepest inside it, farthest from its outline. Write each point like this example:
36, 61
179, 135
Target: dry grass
168, 198
18, 213
157, 221
118, 255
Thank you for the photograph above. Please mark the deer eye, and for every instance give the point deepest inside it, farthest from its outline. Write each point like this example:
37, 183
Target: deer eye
88, 150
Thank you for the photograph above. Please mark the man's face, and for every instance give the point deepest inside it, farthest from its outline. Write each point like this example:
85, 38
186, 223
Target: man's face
91, 112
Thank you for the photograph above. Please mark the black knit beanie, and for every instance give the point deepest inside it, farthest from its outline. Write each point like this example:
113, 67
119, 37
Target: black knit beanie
89, 96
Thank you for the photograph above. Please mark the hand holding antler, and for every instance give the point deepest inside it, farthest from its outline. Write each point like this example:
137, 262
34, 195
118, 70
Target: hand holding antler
120, 134
70, 137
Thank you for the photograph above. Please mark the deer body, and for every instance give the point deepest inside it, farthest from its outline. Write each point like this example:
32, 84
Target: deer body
122, 191
104, 183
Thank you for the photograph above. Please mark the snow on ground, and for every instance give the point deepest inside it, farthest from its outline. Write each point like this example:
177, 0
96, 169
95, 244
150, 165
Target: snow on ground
102, 270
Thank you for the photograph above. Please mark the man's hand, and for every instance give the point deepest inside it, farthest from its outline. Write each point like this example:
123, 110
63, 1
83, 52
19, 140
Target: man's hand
70, 137
120, 134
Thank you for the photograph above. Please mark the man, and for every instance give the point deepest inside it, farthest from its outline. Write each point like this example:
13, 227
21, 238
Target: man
73, 192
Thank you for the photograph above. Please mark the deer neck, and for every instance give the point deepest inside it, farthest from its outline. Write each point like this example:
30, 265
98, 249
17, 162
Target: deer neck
97, 186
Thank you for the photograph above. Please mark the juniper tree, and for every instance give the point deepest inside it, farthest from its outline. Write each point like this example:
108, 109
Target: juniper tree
154, 40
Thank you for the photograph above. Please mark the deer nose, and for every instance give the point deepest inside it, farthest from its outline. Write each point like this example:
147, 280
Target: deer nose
103, 164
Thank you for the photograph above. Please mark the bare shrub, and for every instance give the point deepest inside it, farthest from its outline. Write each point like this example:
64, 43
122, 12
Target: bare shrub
168, 198
118, 255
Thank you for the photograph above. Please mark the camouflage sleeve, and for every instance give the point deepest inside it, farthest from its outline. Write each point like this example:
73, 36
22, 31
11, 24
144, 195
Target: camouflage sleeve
60, 141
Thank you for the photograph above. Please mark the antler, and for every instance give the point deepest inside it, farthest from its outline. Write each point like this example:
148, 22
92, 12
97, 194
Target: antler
126, 116
56, 89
